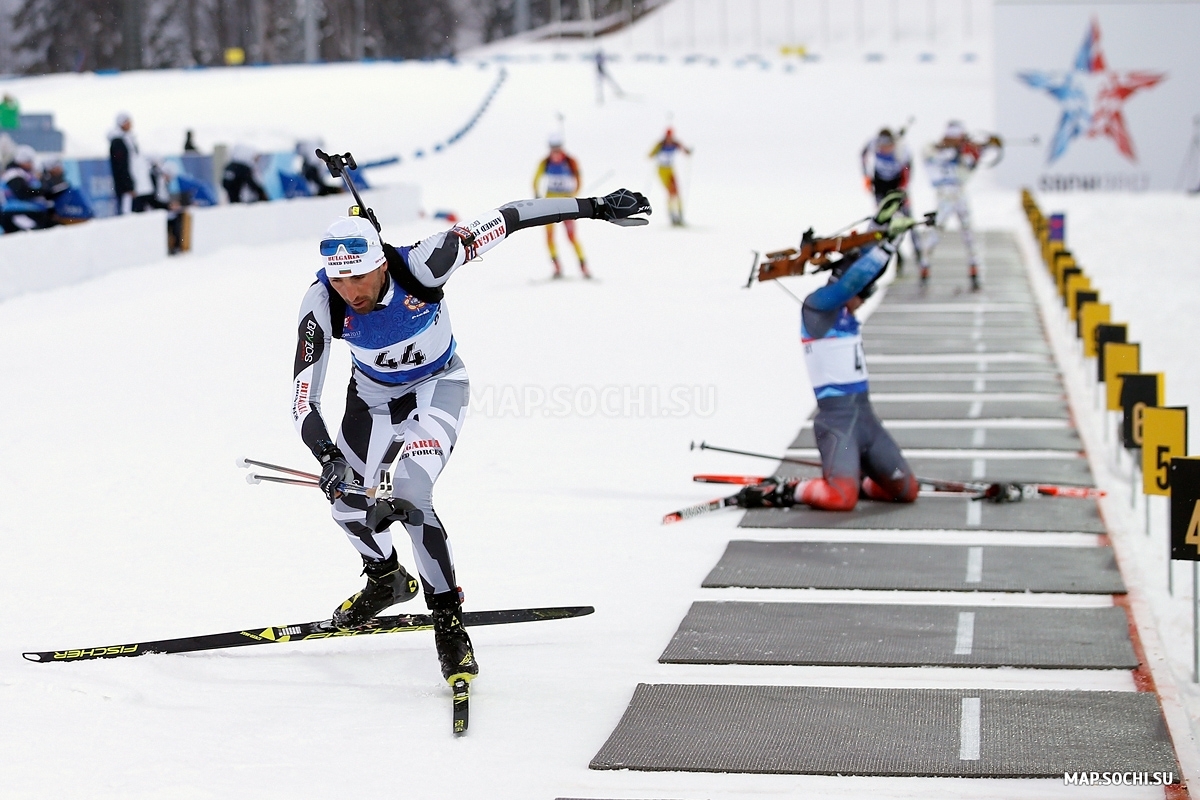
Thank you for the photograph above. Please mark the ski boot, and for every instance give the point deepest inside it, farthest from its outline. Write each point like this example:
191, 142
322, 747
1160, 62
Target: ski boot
584, 270
974, 272
455, 653
772, 493
557, 270
387, 584
924, 277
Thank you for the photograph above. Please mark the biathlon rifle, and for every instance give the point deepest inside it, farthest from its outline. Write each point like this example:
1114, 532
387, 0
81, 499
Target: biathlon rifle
815, 251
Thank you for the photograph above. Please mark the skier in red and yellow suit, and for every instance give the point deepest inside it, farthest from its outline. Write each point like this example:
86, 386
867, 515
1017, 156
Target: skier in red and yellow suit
558, 175
664, 152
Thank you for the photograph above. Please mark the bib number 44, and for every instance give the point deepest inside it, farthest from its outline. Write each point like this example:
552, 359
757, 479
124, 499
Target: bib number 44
412, 357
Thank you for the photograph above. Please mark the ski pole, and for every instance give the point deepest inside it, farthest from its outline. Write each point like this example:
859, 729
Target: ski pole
338, 164
998, 492
310, 479
344, 488
248, 462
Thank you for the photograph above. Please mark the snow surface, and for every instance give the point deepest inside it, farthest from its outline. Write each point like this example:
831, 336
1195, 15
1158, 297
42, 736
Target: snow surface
128, 398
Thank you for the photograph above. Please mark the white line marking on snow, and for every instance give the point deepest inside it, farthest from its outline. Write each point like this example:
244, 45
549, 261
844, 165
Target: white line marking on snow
975, 410
964, 640
974, 561
979, 468
974, 514
968, 730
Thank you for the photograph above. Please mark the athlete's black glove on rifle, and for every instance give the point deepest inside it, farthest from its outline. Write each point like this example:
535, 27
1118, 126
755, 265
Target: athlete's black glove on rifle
619, 206
334, 470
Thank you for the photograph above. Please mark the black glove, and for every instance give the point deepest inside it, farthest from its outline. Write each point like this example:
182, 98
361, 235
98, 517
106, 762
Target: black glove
769, 494
621, 204
334, 470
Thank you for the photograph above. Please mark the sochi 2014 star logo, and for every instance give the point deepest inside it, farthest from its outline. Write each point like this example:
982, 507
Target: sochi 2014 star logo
1092, 97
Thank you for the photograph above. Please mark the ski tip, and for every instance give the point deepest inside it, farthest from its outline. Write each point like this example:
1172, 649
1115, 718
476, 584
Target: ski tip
672, 518
32, 657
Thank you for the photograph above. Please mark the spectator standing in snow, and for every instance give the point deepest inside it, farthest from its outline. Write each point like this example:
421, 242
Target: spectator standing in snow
238, 178
131, 175
558, 175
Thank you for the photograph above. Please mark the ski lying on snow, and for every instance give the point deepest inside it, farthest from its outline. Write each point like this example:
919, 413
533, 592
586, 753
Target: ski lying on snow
700, 508
997, 492
322, 629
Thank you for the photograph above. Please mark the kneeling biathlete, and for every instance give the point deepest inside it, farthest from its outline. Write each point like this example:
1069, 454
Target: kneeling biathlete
407, 396
857, 454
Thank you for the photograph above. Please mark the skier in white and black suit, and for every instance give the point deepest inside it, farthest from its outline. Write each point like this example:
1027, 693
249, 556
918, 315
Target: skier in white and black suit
407, 397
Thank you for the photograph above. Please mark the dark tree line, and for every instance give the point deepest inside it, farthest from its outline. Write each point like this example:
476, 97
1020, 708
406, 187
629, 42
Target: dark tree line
75, 35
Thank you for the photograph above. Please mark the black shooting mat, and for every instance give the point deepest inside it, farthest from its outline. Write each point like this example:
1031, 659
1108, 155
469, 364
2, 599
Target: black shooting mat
869, 731
915, 567
937, 344
969, 438
954, 513
1069, 471
952, 316
964, 364
956, 291
959, 383
970, 409
876, 635
947, 326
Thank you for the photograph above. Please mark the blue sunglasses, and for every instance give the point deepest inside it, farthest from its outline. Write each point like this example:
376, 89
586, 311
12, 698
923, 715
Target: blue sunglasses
355, 246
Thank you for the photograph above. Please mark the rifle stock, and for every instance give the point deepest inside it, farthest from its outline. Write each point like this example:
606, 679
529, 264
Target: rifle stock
782, 263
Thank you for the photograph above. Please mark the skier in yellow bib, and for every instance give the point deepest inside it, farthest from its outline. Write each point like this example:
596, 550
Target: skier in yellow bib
665, 152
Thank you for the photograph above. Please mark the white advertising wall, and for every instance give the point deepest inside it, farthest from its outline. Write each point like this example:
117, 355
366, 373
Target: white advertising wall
1097, 96
303, 217
36, 260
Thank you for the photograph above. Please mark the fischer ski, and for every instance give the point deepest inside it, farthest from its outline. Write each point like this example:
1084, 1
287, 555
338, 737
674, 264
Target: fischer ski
705, 508
322, 629
462, 708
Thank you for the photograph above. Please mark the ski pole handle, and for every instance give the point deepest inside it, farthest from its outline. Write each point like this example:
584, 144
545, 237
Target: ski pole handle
338, 165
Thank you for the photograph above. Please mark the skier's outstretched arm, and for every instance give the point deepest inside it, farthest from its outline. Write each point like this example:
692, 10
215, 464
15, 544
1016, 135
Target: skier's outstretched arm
433, 260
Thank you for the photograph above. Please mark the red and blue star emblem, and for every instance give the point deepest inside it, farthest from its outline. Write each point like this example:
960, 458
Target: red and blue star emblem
1092, 97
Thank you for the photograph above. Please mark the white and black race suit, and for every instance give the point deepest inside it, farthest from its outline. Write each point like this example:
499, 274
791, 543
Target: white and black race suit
408, 390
